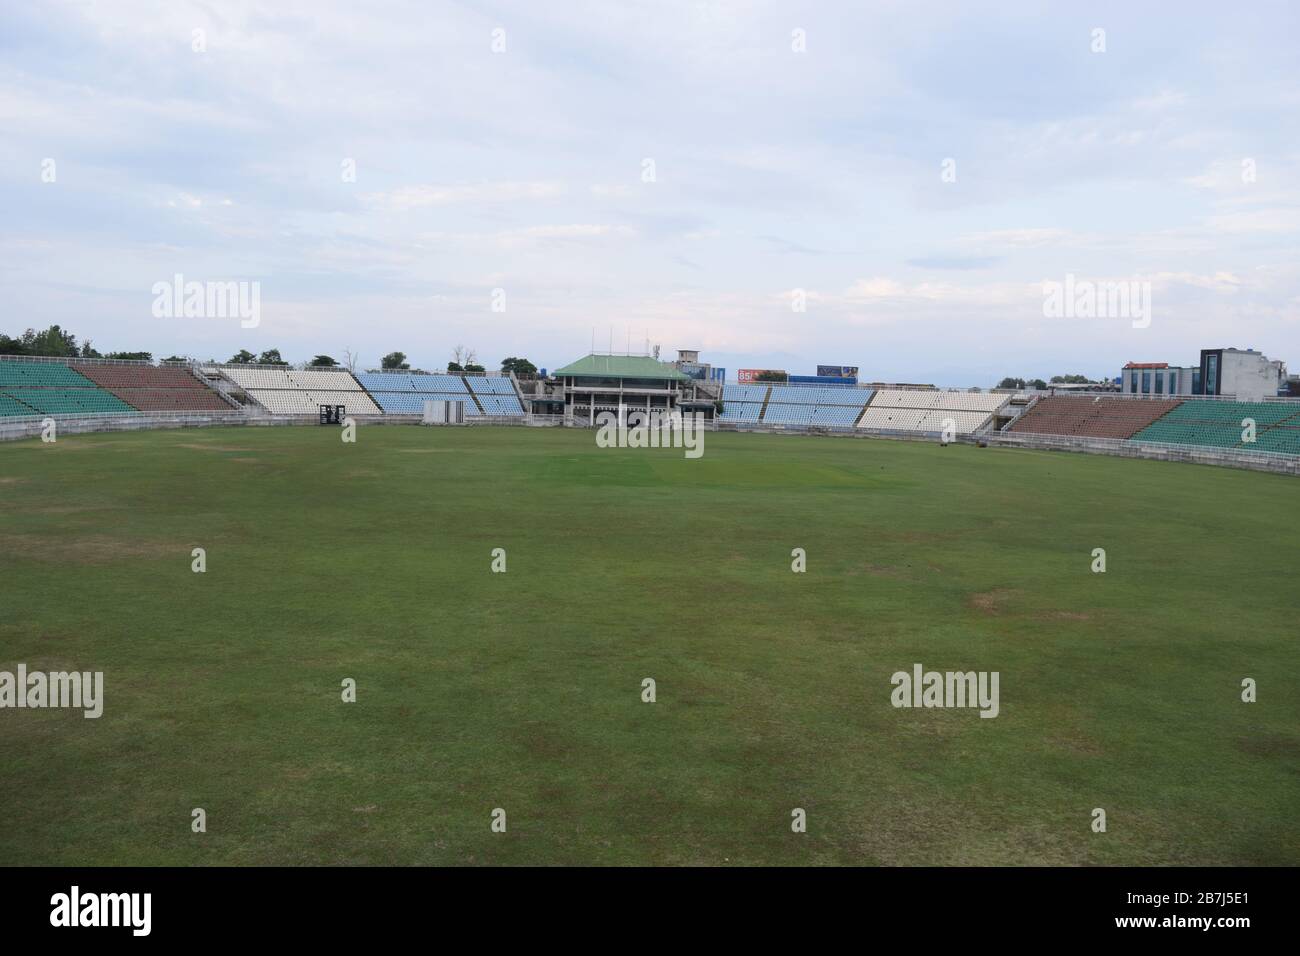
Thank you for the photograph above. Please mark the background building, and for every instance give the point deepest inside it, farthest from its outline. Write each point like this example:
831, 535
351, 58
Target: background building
1158, 378
689, 364
1245, 374
610, 383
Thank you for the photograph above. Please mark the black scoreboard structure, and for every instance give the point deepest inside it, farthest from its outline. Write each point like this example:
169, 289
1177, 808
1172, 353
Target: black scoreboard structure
333, 414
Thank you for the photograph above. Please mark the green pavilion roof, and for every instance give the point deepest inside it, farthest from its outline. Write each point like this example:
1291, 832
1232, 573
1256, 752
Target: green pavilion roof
619, 366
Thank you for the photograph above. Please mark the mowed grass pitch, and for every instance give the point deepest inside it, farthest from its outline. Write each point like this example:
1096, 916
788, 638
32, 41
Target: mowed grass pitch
523, 690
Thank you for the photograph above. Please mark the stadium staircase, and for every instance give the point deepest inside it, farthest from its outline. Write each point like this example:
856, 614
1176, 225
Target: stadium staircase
226, 397
1020, 404
470, 389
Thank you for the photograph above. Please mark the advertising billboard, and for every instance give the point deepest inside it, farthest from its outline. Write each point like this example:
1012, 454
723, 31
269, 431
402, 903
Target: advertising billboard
747, 375
821, 380
838, 371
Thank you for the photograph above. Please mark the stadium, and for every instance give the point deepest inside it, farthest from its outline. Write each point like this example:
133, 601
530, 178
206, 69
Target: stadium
475, 636
836, 453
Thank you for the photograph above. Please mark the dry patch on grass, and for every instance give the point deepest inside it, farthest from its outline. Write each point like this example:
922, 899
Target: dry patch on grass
995, 602
89, 549
209, 446
941, 726
70, 443
11, 480
71, 509
1076, 744
991, 602
915, 831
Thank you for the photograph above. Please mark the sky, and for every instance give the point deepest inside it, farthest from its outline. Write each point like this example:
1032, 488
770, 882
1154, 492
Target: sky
779, 185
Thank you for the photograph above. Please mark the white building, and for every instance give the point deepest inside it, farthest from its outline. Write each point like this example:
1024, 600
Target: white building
1245, 374
1157, 378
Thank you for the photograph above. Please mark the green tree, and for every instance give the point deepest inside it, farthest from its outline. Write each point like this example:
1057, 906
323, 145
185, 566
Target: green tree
242, 357
52, 341
135, 356
1010, 382
271, 357
89, 351
1036, 383
472, 367
520, 366
394, 361
176, 358
322, 361
455, 367
10, 346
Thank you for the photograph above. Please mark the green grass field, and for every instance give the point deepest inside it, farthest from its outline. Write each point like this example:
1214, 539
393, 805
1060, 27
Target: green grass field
523, 690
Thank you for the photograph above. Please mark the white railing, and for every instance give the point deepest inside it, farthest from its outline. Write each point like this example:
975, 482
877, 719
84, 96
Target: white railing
76, 360
1131, 396
28, 426
62, 417
1165, 451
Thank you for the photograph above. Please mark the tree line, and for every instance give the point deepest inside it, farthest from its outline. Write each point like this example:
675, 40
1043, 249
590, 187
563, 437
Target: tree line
1012, 382
59, 343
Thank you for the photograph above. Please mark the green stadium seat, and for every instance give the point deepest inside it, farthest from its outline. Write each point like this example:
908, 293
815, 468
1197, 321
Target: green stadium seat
12, 408
1217, 424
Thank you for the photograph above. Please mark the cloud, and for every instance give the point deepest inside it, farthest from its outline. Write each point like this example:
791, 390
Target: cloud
1224, 282
1163, 100
776, 170
954, 262
1017, 237
415, 197
876, 288
573, 232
